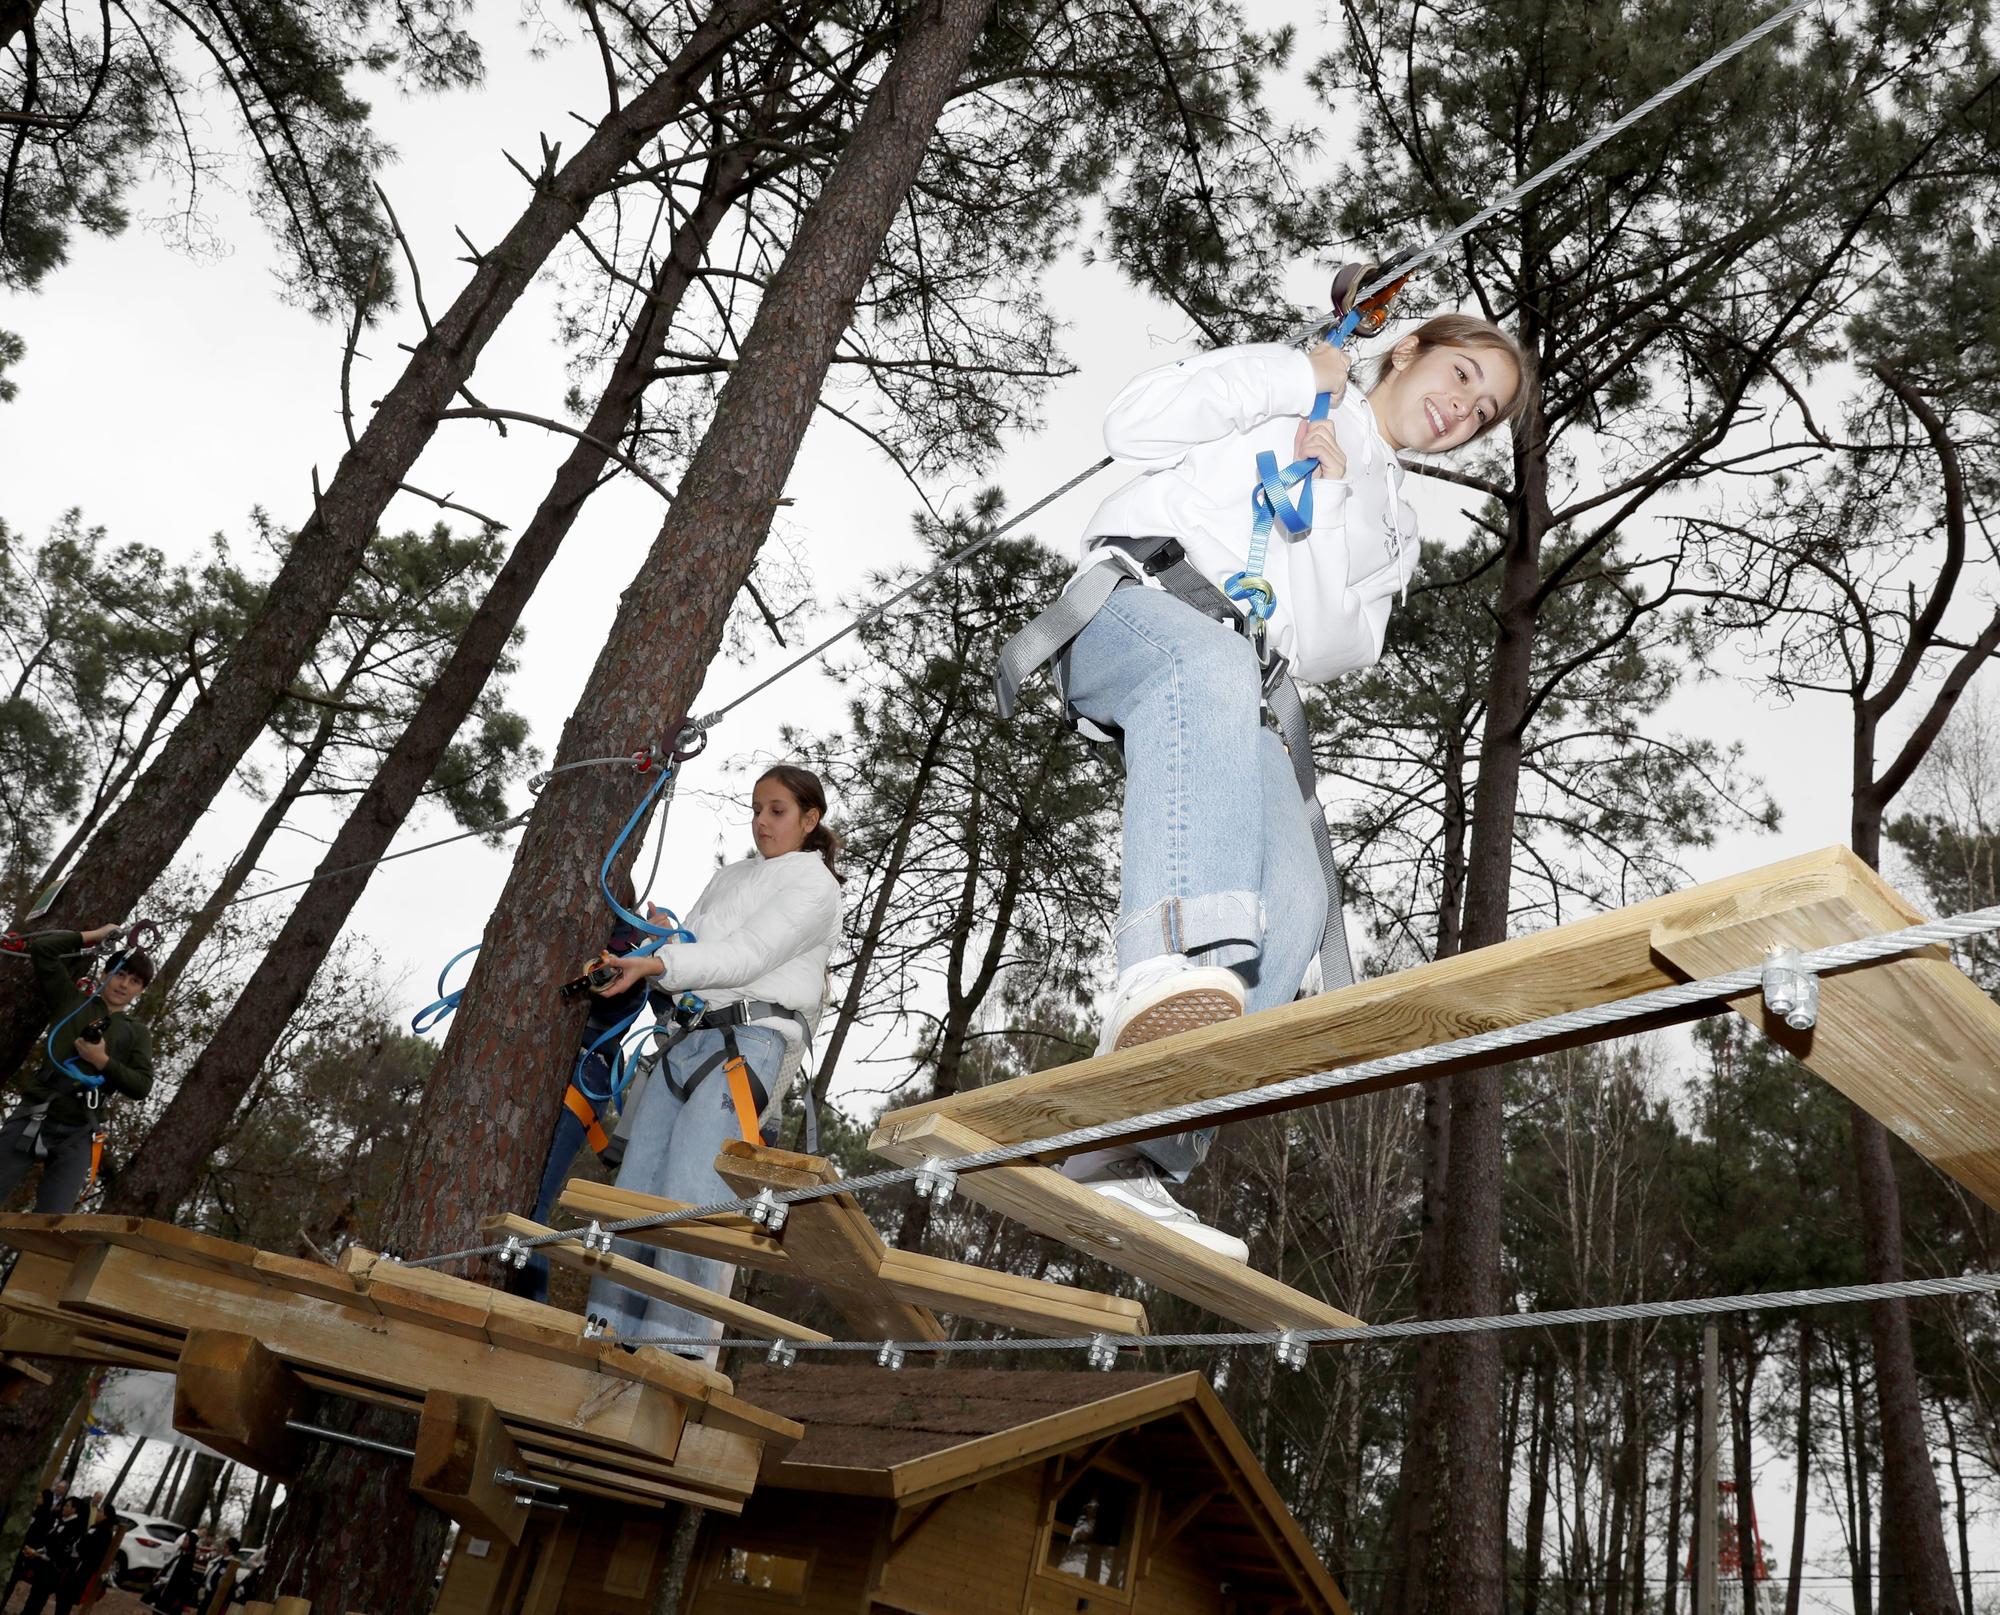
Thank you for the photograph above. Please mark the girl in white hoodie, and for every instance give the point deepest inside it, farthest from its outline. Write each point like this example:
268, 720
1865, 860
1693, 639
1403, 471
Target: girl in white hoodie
765, 928
1223, 902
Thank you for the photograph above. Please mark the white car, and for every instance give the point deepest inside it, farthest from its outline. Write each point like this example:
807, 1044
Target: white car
147, 1545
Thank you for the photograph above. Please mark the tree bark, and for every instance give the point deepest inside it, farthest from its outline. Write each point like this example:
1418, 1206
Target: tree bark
124, 1469
1541, 1437
143, 833
257, 1520
1676, 1484
1961, 1513
477, 1139
196, 1488
1462, 1570
1747, 1546
167, 1164
1802, 1435
169, 1468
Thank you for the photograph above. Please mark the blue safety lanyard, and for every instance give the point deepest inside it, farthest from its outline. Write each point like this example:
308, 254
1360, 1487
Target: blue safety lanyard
446, 1001
82, 1074
1271, 505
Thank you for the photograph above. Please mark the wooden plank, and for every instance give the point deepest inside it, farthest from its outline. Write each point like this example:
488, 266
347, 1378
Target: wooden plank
315, 1279
622, 1270
460, 1450
723, 1239
38, 1231
1590, 961
1049, 1203
232, 1393
115, 1283
830, 1241
1034, 1305
1910, 1040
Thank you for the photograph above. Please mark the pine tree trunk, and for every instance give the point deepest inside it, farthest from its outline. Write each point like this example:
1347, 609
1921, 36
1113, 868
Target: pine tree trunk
1540, 1439
118, 1481
167, 1164
143, 833
347, 1541
1961, 1512
159, 1491
196, 1489
1802, 1435
1463, 1567
1676, 1484
257, 1520
1740, 1435
1912, 1511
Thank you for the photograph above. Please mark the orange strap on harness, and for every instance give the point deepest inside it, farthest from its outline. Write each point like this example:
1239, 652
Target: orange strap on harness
582, 1110
96, 1159
746, 1101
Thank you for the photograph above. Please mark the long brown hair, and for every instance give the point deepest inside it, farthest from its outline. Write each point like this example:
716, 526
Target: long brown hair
806, 790
1469, 331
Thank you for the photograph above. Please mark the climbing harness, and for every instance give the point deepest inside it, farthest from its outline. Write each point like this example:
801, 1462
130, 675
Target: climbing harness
1049, 638
140, 934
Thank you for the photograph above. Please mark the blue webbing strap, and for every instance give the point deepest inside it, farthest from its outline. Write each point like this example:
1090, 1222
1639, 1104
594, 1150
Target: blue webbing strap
89, 1078
1269, 505
446, 1001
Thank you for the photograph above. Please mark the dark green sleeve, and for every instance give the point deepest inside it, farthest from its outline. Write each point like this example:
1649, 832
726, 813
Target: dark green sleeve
52, 971
130, 1071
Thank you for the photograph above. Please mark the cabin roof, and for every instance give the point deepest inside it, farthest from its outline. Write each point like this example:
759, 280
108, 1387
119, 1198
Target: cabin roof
917, 1434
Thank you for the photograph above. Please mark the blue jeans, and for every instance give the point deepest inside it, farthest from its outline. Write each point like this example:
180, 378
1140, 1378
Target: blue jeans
1219, 861
685, 1117
567, 1139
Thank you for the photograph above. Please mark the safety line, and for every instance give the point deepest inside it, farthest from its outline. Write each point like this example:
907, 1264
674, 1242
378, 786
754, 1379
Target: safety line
514, 823
1403, 1329
1390, 275
1194, 1113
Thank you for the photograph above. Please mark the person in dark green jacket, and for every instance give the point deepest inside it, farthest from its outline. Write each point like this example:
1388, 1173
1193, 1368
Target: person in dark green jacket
55, 1122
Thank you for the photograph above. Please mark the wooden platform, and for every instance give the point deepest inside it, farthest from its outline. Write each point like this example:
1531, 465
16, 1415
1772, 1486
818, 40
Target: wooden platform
1910, 1040
883, 1293
642, 1426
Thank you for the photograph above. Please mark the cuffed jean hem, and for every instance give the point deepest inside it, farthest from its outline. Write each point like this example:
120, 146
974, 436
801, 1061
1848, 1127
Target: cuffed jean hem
1225, 928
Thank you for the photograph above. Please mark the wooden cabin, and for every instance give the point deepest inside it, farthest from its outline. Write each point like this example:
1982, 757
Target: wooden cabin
947, 1492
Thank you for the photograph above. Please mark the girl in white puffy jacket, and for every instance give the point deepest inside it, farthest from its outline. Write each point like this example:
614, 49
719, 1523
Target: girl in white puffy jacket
765, 929
1223, 902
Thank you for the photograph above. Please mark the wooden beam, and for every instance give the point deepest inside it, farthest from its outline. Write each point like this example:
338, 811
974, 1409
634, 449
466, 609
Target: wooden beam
1049, 1203
1909, 1040
1591, 961
461, 1448
113, 1283
233, 1394
830, 1241
622, 1270
1034, 1305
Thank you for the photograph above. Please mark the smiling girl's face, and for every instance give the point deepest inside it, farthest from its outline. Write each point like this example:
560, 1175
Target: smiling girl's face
776, 823
1444, 396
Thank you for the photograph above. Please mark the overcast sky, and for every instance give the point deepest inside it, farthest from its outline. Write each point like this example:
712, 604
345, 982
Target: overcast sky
168, 395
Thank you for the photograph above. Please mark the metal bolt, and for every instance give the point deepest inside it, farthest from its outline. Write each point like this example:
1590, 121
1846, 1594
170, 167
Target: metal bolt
514, 1253
1790, 989
935, 1181
593, 1328
769, 1211
782, 1354
890, 1356
1291, 1350
1103, 1352
595, 1238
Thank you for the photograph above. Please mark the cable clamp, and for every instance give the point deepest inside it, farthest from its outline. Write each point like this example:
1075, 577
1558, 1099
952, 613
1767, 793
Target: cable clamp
1791, 991
643, 759
768, 1211
596, 1237
514, 1253
891, 1355
782, 1354
1292, 1350
1103, 1352
593, 1327
935, 1181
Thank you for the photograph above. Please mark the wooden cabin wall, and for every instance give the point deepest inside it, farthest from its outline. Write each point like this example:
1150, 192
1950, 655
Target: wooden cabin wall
972, 1554
841, 1538
1176, 1581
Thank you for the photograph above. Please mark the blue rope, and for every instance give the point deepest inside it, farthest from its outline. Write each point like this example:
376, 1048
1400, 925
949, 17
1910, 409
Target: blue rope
1269, 505
89, 1078
435, 1012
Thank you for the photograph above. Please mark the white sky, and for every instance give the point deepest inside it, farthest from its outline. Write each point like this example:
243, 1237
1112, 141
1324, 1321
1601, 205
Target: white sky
168, 396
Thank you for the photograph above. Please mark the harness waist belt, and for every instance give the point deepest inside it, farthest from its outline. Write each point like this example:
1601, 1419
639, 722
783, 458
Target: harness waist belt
1048, 638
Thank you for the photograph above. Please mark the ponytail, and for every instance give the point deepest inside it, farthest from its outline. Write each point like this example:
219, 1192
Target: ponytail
806, 790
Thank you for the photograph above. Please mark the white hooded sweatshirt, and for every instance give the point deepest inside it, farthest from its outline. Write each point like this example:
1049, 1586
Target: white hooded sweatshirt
1197, 426
764, 928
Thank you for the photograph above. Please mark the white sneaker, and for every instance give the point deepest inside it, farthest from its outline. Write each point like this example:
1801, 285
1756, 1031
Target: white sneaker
1133, 1182
1158, 997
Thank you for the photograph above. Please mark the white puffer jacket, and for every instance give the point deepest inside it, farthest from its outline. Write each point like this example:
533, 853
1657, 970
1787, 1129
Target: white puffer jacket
1197, 426
764, 928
